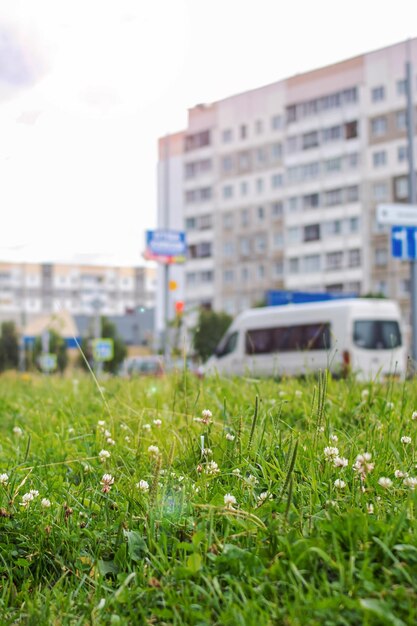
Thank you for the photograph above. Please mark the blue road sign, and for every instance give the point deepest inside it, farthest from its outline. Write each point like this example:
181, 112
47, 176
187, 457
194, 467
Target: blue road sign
404, 242
166, 246
103, 349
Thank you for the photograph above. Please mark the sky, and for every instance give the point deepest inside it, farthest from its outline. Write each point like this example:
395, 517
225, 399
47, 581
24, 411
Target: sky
88, 86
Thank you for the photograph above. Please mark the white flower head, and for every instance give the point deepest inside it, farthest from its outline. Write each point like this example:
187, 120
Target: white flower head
400, 474
4, 479
410, 481
207, 452
252, 480
298, 393
27, 498
45, 503
212, 468
146, 427
17, 431
230, 437
103, 455
405, 440
340, 461
385, 482
365, 394
339, 484
390, 406
333, 438
206, 416
157, 422
143, 485
265, 495
414, 415
363, 465
369, 508
330, 453
107, 482
153, 450
110, 441
229, 500
236, 471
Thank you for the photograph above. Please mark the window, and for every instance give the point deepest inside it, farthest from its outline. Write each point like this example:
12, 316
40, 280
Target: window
334, 227
276, 122
402, 86
261, 272
402, 154
379, 158
259, 185
381, 287
401, 188
293, 265
244, 217
294, 234
352, 160
277, 240
191, 170
260, 243
352, 193
310, 140
276, 181
207, 276
334, 133
190, 223
228, 249
244, 160
401, 120
405, 286
228, 276
227, 345
197, 195
378, 93
380, 191
311, 201
376, 334
288, 338
293, 204
244, 245
260, 212
227, 191
197, 140
228, 221
227, 135
354, 257
379, 126
334, 260
258, 127
277, 209
381, 257
244, 274
243, 188
353, 224
292, 144
227, 164
311, 263
205, 193
243, 131
278, 268
333, 165
312, 232
351, 130
191, 278
205, 222
260, 156
276, 151
333, 197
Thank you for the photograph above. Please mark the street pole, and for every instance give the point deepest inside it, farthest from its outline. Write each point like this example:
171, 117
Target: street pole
412, 197
166, 266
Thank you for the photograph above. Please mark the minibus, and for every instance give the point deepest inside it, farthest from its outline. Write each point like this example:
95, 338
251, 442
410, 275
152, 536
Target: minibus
359, 335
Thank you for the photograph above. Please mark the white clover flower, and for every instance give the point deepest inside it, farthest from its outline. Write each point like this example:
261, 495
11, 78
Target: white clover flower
330, 453
127, 439
110, 441
71, 430
385, 482
146, 427
154, 450
414, 415
212, 468
230, 437
333, 438
252, 480
339, 484
264, 496
298, 393
4, 479
389, 406
405, 440
17, 431
107, 481
369, 508
340, 461
28, 497
123, 426
229, 500
236, 471
86, 468
103, 455
206, 451
411, 482
400, 474
282, 394
363, 465
143, 485
157, 422
206, 416
365, 394
101, 423
45, 503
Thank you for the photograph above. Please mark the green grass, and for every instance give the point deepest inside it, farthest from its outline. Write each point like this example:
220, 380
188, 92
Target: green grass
306, 552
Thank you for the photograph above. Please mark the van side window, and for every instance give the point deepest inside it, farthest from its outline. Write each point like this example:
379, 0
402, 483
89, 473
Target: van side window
377, 334
227, 345
288, 338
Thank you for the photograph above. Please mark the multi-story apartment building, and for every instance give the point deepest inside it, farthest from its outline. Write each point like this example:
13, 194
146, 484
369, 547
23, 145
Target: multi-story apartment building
277, 187
28, 290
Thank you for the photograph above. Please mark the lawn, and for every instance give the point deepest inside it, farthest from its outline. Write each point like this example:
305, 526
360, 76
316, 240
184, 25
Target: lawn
177, 501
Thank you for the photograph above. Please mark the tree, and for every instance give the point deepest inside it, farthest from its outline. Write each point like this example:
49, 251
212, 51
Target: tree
210, 329
57, 346
108, 331
9, 346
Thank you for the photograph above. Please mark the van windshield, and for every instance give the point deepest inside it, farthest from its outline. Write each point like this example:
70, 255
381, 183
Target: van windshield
377, 334
227, 345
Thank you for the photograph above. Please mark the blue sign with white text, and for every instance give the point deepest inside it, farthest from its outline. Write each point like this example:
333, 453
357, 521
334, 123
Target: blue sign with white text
404, 242
166, 246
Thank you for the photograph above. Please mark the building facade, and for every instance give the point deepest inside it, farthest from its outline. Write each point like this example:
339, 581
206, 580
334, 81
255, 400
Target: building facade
277, 187
29, 290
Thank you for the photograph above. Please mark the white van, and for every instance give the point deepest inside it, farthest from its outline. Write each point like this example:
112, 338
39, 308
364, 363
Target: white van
360, 335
